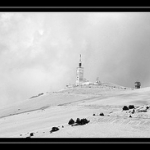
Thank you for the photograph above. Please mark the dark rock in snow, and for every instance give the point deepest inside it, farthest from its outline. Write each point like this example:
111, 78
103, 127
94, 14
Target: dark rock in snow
133, 111
31, 134
40, 94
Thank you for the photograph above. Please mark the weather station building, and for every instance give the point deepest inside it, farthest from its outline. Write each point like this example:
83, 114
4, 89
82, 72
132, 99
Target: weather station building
80, 80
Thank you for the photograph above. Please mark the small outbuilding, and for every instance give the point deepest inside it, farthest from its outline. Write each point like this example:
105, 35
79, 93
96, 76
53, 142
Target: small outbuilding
137, 85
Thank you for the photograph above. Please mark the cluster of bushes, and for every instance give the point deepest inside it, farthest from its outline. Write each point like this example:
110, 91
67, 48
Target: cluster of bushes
71, 122
78, 121
142, 109
128, 107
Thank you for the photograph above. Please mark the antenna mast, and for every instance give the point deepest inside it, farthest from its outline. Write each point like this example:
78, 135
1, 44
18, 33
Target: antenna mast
80, 62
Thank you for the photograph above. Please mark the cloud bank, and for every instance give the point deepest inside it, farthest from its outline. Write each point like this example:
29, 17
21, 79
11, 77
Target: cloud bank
39, 51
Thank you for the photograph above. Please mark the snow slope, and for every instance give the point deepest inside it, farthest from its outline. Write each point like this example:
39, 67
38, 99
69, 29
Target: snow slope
39, 114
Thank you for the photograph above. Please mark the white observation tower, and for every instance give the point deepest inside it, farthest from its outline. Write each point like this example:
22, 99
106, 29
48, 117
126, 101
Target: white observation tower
79, 73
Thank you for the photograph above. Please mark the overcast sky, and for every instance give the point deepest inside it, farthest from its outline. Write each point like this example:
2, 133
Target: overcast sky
39, 51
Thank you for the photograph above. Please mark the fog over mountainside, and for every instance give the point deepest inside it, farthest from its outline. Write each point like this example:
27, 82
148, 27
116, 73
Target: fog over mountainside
39, 51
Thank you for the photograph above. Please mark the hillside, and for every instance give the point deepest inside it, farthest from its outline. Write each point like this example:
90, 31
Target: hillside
40, 113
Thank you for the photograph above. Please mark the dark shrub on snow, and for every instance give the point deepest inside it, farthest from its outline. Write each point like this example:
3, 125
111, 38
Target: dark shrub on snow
54, 129
84, 121
81, 121
71, 121
125, 108
101, 114
31, 134
78, 121
131, 106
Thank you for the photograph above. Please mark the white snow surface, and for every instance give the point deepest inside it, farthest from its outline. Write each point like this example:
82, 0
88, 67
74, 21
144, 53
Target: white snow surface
39, 114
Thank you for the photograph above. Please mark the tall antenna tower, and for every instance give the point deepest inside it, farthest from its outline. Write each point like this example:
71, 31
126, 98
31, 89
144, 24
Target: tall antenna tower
79, 73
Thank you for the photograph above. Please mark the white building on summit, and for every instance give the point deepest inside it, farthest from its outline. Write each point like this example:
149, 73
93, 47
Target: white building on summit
79, 73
